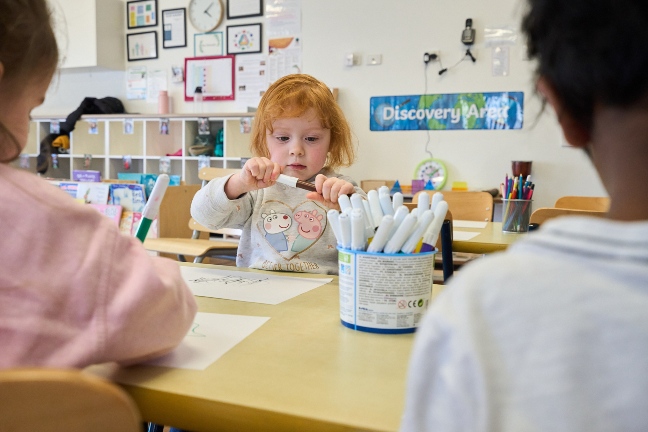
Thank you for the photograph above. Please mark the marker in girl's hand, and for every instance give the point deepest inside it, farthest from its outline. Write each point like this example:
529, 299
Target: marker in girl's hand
296, 183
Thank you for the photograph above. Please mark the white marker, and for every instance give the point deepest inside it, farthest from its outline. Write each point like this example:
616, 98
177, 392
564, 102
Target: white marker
386, 205
397, 201
417, 233
152, 206
436, 199
432, 233
344, 202
357, 203
357, 230
367, 210
423, 202
345, 230
383, 190
382, 235
334, 221
400, 214
374, 204
402, 233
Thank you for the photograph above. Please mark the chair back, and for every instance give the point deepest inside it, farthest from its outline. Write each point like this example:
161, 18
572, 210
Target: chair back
465, 205
208, 173
48, 400
544, 213
583, 203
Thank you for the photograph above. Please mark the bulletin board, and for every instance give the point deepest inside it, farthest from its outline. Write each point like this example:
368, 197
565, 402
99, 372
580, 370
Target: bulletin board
214, 74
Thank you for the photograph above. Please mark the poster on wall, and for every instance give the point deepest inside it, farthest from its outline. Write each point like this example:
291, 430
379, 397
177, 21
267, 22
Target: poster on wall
214, 74
457, 111
141, 13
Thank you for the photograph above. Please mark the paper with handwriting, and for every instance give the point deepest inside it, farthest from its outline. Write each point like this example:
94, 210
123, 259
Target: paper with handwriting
247, 286
209, 338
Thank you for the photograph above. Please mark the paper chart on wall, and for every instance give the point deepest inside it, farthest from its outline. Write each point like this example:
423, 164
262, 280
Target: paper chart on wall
210, 337
247, 286
214, 74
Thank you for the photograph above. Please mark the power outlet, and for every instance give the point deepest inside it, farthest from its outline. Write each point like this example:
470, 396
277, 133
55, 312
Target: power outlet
431, 56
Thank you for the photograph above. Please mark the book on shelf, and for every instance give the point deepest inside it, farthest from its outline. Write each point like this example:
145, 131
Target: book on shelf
89, 192
112, 211
86, 175
130, 196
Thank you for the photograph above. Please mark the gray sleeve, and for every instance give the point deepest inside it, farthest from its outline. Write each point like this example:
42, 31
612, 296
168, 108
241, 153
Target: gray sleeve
211, 207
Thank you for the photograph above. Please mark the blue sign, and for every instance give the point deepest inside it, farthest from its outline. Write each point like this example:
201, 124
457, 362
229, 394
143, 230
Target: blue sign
457, 111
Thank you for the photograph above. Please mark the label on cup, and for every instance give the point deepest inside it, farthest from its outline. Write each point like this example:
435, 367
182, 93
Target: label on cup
384, 293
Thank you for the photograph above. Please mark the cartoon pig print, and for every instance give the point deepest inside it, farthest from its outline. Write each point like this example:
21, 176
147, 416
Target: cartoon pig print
275, 224
309, 229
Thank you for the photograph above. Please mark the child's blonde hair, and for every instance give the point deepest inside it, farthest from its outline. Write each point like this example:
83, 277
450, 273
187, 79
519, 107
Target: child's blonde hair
291, 96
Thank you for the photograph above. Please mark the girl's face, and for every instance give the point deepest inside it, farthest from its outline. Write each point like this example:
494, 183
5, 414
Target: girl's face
299, 144
15, 107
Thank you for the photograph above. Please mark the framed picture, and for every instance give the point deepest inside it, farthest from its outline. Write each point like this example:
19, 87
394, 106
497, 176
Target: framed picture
174, 28
244, 39
142, 46
244, 8
208, 44
141, 13
214, 74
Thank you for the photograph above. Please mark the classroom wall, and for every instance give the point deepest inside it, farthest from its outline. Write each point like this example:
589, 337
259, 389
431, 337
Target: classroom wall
401, 31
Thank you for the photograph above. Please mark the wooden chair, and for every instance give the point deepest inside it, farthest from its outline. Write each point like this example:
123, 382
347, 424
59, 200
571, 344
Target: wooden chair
48, 400
591, 203
465, 205
198, 245
542, 214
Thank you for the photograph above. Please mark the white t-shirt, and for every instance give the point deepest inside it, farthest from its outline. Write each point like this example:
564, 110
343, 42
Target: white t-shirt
551, 335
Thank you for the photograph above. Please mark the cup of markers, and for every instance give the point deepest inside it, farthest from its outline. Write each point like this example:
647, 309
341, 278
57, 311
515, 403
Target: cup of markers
385, 259
517, 203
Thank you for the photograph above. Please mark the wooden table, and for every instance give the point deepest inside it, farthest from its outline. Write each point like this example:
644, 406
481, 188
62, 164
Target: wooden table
490, 239
300, 371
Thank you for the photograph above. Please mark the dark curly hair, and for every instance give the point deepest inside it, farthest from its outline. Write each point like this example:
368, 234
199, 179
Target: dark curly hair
591, 51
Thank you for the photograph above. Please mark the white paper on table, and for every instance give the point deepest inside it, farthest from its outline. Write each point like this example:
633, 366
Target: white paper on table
247, 286
463, 235
468, 224
210, 336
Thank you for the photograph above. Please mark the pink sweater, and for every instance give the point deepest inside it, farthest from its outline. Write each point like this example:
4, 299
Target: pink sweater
74, 291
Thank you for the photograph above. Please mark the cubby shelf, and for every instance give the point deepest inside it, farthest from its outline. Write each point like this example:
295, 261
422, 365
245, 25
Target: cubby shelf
145, 146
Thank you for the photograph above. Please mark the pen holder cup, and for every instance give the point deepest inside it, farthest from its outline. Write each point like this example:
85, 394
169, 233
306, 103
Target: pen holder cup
384, 293
516, 215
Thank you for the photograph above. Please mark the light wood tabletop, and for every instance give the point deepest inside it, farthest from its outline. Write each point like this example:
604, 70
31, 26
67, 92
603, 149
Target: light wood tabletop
490, 239
300, 371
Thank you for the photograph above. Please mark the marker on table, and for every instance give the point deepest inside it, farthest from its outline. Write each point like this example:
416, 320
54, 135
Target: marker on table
432, 233
152, 206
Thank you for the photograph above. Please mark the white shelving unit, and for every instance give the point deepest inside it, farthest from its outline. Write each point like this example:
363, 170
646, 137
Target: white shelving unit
145, 146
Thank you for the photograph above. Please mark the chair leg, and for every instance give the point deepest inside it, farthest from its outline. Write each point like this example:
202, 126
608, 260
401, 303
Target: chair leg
446, 251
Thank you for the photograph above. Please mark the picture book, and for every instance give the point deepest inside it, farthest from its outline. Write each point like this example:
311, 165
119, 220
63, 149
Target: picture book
128, 195
93, 193
114, 212
86, 175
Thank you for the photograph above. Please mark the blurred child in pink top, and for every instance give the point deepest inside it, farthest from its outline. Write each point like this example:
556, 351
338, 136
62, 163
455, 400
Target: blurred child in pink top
73, 290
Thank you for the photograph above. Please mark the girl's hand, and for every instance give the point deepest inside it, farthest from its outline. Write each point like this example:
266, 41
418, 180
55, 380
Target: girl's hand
329, 189
257, 173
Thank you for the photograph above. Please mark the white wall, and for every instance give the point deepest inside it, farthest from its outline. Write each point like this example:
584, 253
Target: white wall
401, 31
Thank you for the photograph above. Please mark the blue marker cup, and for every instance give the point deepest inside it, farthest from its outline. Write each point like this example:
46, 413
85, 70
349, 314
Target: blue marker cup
516, 215
384, 293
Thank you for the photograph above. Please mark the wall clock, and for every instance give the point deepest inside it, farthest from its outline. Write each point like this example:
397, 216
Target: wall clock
205, 15
434, 170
